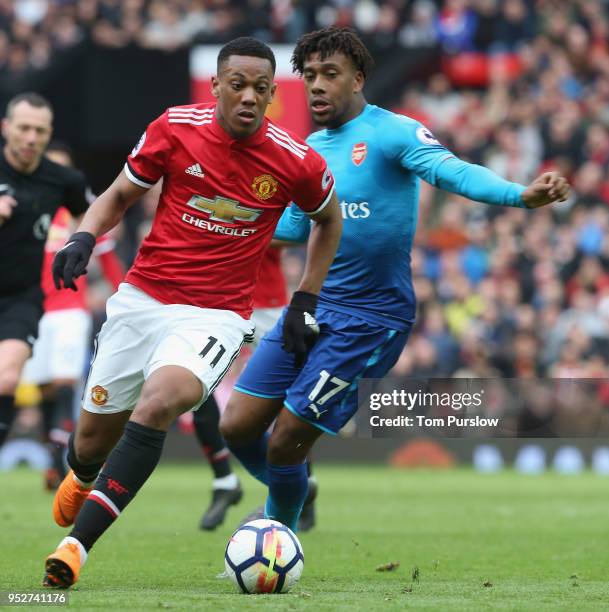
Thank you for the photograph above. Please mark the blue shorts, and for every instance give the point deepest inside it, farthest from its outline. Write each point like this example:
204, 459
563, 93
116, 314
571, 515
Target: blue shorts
324, 391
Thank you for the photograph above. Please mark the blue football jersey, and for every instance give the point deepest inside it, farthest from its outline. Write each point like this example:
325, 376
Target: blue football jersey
378, 159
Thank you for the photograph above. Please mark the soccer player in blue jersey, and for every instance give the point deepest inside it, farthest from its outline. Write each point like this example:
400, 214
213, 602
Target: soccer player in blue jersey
367, 305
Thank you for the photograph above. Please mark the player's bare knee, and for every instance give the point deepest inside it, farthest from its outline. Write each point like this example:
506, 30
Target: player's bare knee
232, 429
287, 446
156, 410
90, 447
169, 392
9, 380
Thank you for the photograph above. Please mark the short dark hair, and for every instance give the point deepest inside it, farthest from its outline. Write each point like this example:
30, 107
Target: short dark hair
32, 98
332, 40
246, 45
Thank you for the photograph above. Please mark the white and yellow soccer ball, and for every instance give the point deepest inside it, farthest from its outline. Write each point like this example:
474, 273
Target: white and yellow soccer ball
264, 556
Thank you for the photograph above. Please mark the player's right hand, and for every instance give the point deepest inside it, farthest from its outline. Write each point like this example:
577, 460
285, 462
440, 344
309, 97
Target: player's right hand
546, 188
300, 329
71, 261
7, 203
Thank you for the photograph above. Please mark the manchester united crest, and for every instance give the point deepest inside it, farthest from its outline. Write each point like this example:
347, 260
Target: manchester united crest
358, 153
264, 186
99, 395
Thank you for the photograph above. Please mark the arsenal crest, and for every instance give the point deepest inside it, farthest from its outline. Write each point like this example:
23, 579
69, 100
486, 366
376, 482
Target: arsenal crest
264, 186
358, 153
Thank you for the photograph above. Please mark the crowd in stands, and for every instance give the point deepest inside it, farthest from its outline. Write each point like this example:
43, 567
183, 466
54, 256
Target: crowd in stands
501, 291
511, 292
31, 31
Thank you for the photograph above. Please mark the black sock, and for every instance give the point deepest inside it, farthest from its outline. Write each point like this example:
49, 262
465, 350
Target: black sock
206, 422
7, 415
127, 469
84, 472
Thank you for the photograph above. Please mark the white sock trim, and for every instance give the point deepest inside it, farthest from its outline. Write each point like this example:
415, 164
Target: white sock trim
226, 482
81, 548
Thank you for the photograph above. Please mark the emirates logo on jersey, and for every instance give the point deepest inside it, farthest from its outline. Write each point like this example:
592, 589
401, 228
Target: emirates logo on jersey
358, 153
264, 186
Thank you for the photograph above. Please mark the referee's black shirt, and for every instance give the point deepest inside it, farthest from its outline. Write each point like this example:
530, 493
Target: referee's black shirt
23, 235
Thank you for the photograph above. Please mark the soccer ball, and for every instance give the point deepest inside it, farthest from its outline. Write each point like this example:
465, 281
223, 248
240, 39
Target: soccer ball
264, 556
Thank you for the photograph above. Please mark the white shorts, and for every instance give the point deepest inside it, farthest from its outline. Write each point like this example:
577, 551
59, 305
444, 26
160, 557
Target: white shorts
61, 348
264, 319
141, 335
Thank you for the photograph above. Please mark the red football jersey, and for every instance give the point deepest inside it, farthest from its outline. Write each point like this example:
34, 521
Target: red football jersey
60, 299
271, 290
220, 202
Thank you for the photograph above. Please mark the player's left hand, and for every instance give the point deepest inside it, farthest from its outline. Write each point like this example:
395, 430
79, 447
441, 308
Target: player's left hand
71, 261
546, 188
300, 329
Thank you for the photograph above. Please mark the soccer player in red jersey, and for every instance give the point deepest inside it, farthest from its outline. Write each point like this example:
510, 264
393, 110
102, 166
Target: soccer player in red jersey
59, 354
178, 322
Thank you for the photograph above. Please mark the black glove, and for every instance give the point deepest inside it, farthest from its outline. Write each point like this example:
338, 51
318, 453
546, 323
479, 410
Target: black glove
71, 261
300, 329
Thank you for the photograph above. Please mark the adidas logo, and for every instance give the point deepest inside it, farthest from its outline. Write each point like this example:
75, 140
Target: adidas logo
195, 170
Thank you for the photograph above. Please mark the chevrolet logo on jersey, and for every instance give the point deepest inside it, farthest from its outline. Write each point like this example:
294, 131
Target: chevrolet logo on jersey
224, 209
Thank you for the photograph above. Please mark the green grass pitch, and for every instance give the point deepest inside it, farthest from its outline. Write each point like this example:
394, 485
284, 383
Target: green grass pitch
479, 542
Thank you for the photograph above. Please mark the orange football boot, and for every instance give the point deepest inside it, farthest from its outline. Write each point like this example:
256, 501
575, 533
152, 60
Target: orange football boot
62, 568
69, 498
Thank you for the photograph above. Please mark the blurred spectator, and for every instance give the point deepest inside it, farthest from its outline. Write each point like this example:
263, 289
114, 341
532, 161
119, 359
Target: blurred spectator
441, 102
420, 30
456, 26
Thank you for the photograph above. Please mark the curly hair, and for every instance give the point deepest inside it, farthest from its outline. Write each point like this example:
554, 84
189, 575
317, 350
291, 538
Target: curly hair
329, 41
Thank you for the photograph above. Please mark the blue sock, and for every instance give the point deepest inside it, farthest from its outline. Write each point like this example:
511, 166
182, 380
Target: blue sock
253, 457
288, 485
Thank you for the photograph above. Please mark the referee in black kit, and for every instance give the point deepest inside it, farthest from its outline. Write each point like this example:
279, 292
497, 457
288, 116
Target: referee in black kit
32, 188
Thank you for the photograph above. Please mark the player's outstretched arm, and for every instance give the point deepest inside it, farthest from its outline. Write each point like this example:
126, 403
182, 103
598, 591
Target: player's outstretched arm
546, 188
106, 211
419, 151
483, 185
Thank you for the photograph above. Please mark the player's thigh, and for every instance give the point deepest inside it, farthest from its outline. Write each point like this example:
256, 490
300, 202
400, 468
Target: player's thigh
270, 370
19, 316
246, 417
13, 355
325, 392
203, 341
